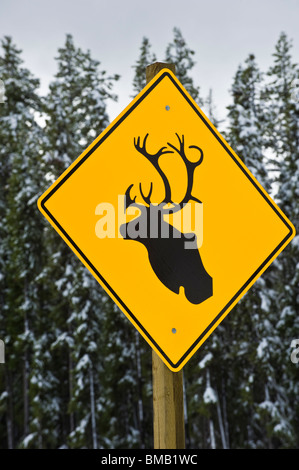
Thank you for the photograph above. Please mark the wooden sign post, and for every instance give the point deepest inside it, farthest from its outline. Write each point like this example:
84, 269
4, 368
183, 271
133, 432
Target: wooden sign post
168, 402
168, 405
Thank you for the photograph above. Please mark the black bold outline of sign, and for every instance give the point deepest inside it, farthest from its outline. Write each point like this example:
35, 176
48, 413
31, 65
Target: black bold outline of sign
105, 283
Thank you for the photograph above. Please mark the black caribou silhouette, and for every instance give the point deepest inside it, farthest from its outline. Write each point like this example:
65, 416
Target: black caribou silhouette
172, 262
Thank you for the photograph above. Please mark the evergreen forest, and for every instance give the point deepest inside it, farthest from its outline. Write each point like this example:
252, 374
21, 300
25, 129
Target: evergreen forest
77, 374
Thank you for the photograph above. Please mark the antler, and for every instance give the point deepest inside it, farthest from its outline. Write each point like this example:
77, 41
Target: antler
147, 199
190, 167
154, 160
128, 200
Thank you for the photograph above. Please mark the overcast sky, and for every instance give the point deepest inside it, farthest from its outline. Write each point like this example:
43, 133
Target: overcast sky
221, 32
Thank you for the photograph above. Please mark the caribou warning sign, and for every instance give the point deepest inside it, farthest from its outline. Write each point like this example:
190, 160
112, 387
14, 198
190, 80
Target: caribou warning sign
168, 219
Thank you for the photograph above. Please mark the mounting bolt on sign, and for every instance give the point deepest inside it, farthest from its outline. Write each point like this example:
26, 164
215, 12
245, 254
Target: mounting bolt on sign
194, 228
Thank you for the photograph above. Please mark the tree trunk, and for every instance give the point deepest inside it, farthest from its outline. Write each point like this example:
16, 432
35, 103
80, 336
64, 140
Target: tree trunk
9, 411
140, 414
26, 380
92, 407
212, 434
220, 420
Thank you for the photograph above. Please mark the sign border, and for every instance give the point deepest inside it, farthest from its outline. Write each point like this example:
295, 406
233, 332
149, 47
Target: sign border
84, 156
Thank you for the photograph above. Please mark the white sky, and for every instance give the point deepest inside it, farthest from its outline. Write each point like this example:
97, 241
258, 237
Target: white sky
222, 33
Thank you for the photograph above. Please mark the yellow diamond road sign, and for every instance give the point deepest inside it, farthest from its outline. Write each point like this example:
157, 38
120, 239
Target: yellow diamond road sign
168, 219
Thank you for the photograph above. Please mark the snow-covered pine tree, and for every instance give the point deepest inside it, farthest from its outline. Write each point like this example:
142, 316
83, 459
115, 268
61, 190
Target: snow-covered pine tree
230, 356
250, 322
126, 385
245, 130
75, 114
178, 53
249, 329
87, 322
6, 130
210, 109
146, 57
22, 293
281, 111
